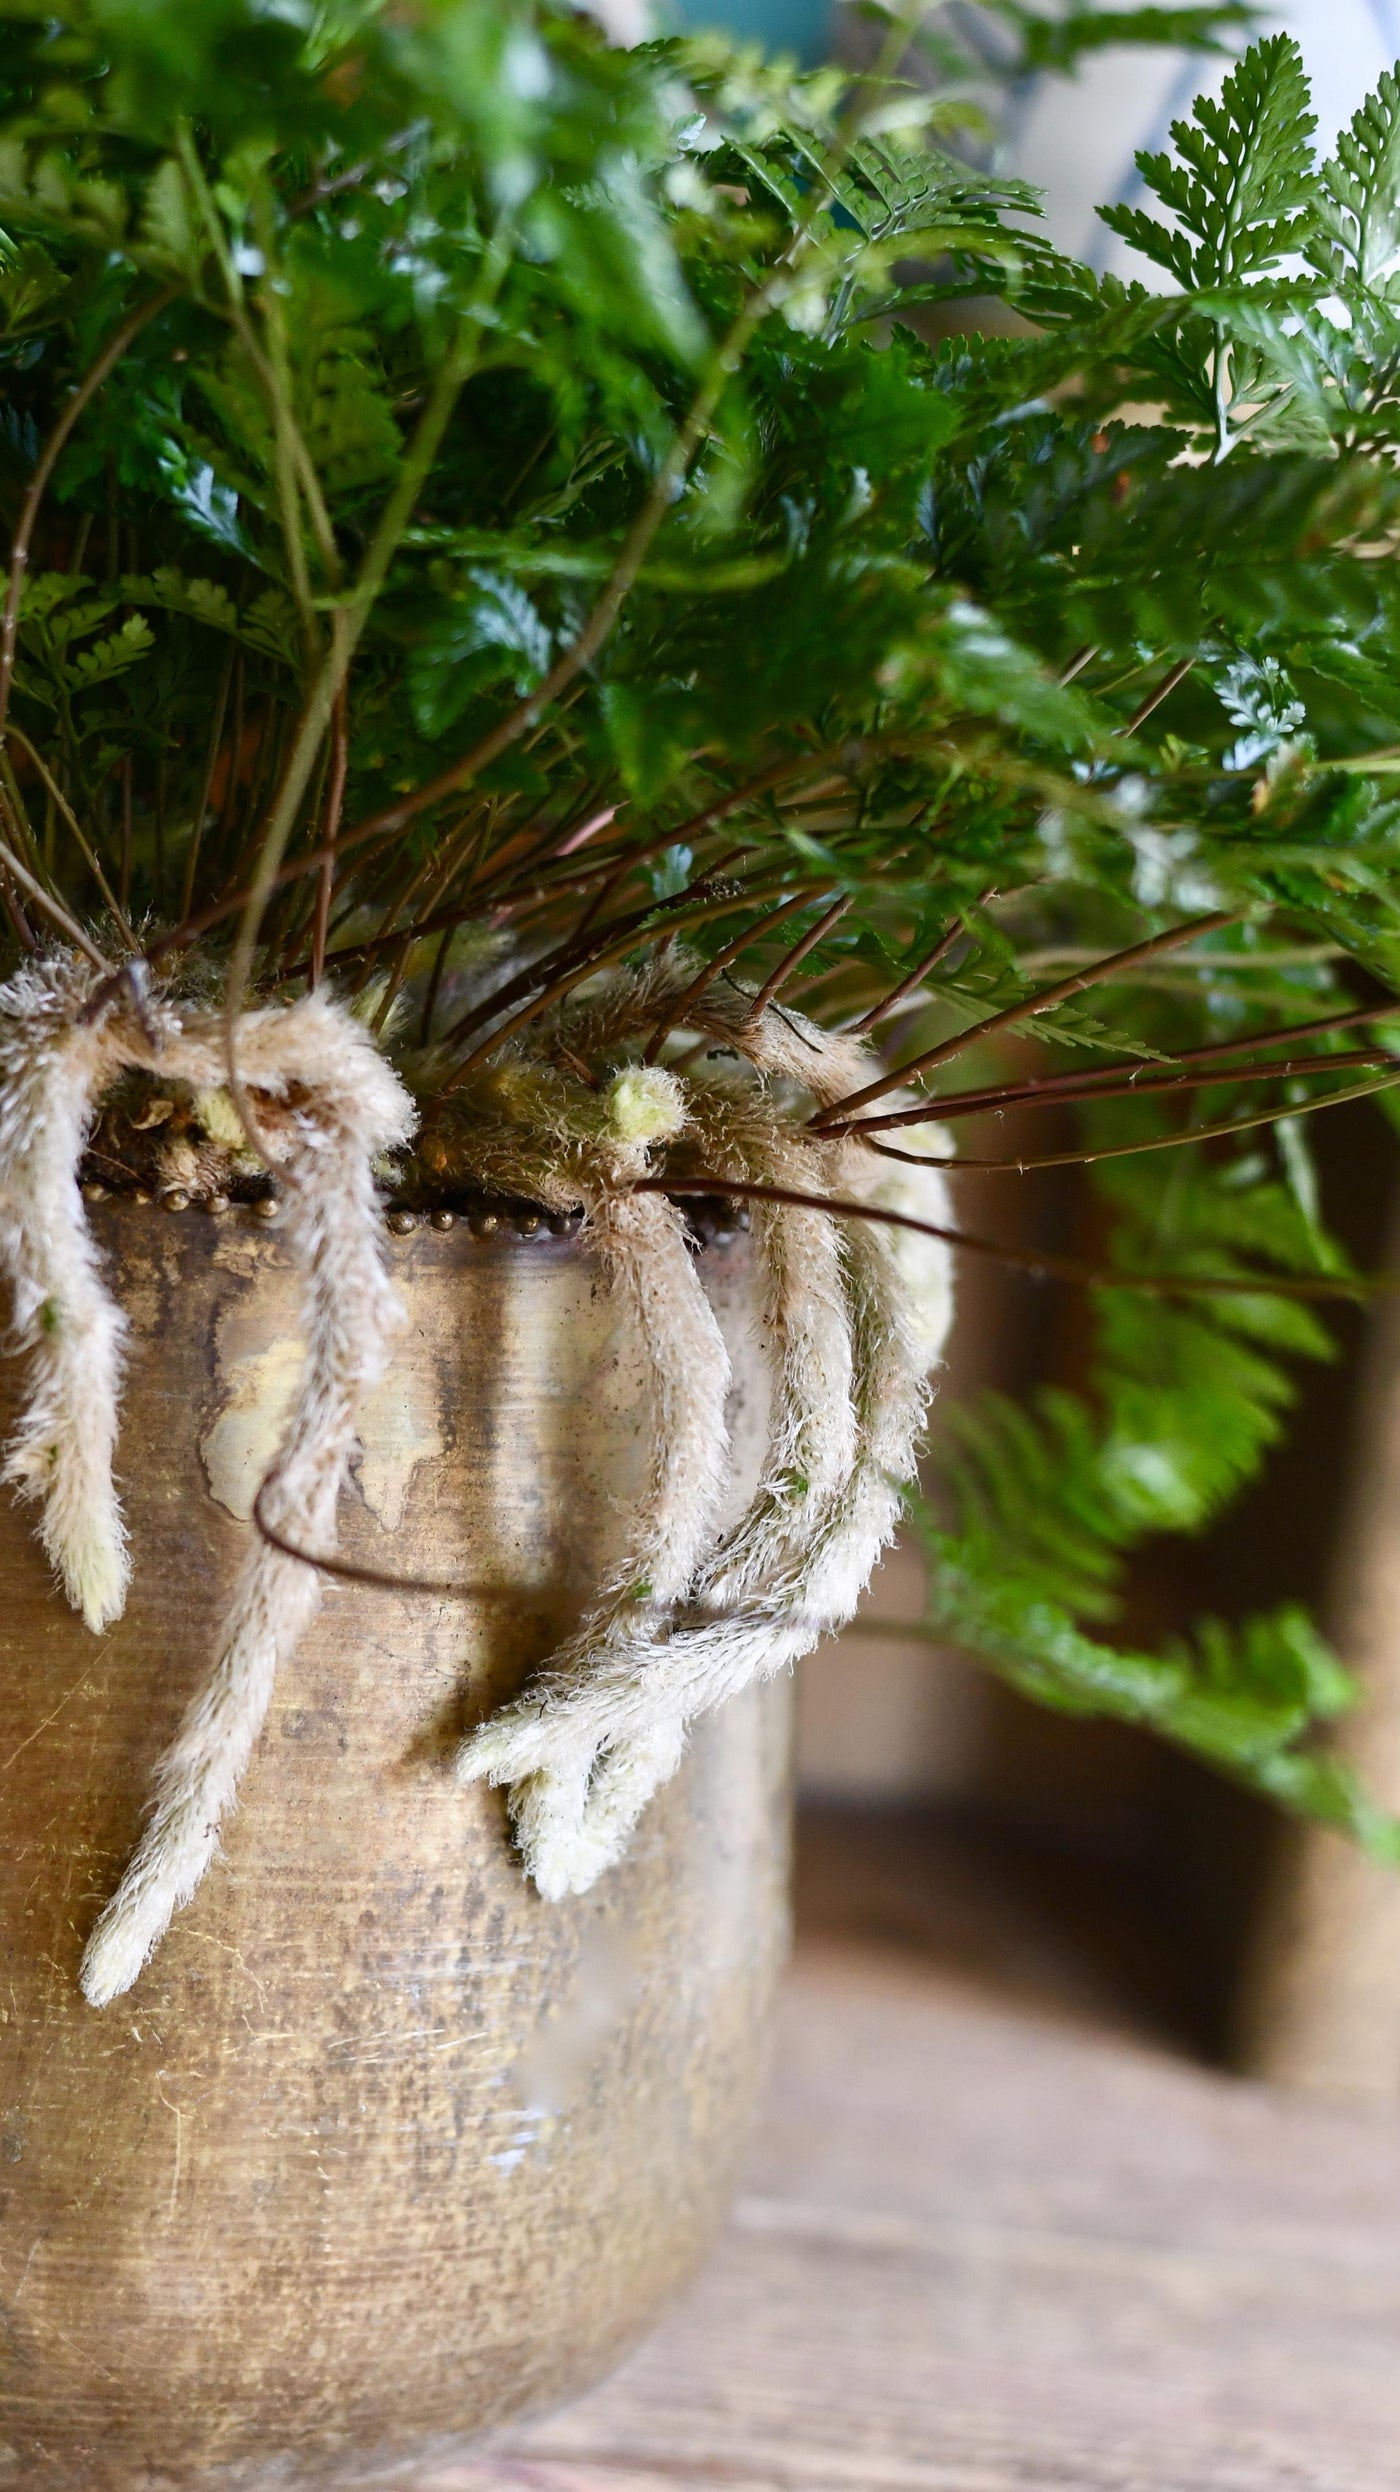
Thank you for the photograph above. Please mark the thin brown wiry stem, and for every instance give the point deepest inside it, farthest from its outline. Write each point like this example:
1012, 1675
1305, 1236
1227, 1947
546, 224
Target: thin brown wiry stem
527, 850
230, 796
1357, 1018
1184, 968
87, 389
378, 832
613, 866
439, 870
890, 1003
788, 967
89, 853
806, 988
435, 978
1062, 1088
269, 734
9, 895
1026, 1009
1078, 1087
285, 912
19, 923
657, 914
21, 828
1081, 658
447, 918
520, 907
1043, 1266
124, 882
614, 879
180, 938
192, 928
1160, 693
440, 921
674, 1016
345, 1571
335, 798
1188, 1134
392, 985
623, 939
206, 784
53, 909
1109, 1082
347, 625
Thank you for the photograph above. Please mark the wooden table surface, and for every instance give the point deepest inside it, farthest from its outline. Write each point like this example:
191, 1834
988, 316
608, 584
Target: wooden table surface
995, 2237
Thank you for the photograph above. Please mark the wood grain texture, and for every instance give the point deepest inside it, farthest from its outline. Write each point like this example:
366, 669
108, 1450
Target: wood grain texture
1321, 2004
991, 2244
381, 2148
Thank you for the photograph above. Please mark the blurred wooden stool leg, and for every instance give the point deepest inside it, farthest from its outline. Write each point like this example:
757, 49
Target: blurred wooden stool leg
1320, 2008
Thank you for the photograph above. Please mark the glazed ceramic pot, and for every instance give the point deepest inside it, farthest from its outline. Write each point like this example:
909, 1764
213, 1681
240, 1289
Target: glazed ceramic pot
381, 2149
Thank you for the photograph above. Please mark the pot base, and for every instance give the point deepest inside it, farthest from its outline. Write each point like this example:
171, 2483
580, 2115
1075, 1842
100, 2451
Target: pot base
382, 2149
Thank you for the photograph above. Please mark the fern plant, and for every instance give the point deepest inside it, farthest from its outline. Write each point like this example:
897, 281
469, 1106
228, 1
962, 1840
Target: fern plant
487, 505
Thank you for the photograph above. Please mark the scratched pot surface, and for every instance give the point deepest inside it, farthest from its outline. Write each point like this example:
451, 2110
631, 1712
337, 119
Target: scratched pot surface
381, 2149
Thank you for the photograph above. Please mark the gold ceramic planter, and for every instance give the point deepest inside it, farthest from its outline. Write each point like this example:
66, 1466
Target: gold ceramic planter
381, 2149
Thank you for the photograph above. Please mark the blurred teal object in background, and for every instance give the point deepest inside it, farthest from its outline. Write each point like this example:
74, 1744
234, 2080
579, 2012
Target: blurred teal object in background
800, 26
1076, 140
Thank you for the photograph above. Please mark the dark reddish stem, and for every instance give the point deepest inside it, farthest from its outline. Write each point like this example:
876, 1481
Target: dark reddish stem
674, 1017
1096, 973
124, 875
1030, 1259
335, 798
1221, 1128
622, 937
1109, 1084
891, 1002
788, 967
1158, 695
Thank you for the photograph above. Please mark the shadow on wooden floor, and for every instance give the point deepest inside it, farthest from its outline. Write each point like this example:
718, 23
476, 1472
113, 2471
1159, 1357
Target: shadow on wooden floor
1102, 1937
998, 2233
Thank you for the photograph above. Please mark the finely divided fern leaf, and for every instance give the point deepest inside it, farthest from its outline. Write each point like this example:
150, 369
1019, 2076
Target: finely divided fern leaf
1185, 1397
1358, 206
1073, 677
1061, 42
1239, 188
1050, 1498
1242, 1699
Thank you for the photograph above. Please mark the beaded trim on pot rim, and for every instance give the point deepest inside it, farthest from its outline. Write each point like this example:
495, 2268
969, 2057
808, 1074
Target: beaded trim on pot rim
855, 1317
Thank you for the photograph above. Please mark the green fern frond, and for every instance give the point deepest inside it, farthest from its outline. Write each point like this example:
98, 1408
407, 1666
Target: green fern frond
1238, 188
1184, 1399
1358, 206
1246, 1700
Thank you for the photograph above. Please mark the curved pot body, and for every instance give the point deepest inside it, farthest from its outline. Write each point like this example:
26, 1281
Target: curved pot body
381, 2148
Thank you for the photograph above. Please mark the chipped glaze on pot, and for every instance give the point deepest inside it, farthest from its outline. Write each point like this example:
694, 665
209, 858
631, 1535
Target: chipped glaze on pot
381, 2149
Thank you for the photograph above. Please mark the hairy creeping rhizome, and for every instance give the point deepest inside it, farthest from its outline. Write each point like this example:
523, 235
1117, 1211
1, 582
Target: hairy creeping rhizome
536, 610
685, 1622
